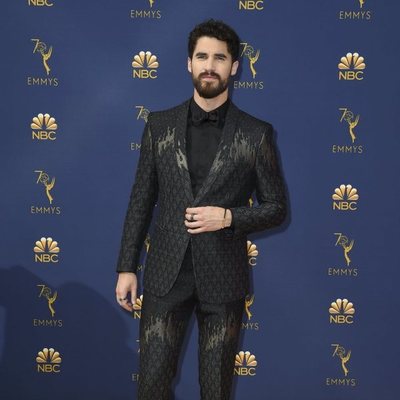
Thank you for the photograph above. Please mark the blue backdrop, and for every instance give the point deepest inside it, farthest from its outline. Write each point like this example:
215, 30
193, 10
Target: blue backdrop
67, 176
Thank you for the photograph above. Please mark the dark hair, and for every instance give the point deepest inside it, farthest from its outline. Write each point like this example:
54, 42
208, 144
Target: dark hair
218, 30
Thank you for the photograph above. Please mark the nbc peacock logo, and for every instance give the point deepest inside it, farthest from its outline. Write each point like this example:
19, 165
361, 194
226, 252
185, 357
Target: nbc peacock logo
137, 307
48, 361
252, 253
145, 65
341, 312
245, 364
44, 127
351, 67
345, 198
46, 250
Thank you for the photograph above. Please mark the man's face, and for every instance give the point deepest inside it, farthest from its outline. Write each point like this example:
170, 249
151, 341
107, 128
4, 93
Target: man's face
211, 66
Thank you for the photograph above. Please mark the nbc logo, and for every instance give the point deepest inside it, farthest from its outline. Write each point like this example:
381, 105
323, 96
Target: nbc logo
145, 65
40, 3
252, 253
43, 127
137, 307
341, 312
252, 5
345, 198
351, 66
245, 364
46, 250
48, 360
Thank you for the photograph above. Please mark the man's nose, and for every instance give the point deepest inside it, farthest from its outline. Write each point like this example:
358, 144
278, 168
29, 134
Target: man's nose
210, 64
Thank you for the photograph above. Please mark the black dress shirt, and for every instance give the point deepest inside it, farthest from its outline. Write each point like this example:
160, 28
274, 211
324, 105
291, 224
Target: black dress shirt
203, 135
204, 132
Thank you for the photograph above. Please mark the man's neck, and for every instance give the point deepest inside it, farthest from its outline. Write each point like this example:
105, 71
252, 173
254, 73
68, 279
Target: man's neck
210, 104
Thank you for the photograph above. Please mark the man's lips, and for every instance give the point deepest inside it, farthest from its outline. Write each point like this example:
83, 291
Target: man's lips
209, 77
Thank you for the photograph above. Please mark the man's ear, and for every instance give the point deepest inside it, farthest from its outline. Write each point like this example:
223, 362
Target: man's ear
234, 68
189, 65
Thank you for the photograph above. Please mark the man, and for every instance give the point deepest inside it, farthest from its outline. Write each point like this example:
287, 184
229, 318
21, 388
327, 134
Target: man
200, 161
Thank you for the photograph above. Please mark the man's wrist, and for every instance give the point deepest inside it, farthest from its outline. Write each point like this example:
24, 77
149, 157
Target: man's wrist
227, 218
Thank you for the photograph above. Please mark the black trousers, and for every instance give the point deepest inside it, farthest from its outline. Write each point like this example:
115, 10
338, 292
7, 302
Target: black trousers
162, 328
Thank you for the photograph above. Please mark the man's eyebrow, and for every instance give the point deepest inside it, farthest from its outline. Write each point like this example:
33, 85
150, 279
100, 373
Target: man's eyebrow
204, 54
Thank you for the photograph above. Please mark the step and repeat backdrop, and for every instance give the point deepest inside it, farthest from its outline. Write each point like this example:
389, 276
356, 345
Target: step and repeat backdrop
78, 79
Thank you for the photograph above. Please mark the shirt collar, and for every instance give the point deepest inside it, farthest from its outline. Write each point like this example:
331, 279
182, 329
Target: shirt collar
196, 112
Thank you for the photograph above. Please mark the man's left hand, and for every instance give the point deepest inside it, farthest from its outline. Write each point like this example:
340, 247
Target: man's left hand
207, 219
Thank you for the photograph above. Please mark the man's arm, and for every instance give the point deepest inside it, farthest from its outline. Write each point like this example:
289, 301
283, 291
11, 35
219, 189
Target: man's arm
137, 220
141, 204
270, 192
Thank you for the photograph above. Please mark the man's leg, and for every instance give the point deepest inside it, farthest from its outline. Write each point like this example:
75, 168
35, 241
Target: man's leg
163, 325
219, 328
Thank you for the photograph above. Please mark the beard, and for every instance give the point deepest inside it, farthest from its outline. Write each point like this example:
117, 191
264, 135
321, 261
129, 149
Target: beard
209, 90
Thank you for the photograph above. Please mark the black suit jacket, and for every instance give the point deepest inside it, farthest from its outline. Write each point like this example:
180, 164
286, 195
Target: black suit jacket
245, 162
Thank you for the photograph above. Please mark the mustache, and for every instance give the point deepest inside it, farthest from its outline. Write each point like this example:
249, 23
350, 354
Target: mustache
213, 74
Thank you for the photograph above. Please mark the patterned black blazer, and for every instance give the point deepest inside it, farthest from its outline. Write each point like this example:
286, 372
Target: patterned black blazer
245, 162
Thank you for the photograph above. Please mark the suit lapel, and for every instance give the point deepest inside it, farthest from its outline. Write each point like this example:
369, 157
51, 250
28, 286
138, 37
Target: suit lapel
180, 149
220, 157
222, 152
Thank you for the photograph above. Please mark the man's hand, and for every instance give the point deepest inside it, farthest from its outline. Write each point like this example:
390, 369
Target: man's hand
207, 219
127, 283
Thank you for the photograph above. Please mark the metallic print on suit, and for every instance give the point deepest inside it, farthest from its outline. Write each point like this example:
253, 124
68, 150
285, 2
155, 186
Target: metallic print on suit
206, 272
245, 161
162, 329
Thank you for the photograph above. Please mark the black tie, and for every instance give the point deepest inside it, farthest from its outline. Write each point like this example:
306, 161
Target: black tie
202, 116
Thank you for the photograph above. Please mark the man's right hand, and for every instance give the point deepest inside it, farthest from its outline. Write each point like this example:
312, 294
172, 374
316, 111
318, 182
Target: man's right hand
127, 283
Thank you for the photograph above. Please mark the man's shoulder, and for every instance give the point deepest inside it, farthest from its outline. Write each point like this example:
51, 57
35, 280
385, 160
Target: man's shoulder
247, 120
